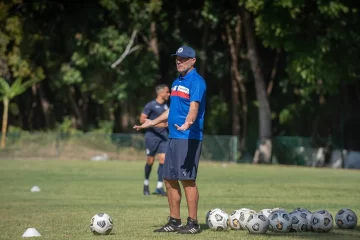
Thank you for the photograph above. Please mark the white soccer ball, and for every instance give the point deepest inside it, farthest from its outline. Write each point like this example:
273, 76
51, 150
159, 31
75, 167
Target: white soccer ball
244, 215
208, 213
346, 219
257, 223
218, 220
266, 211
280, 221
101, 224
321, 221
299, 222
234, 220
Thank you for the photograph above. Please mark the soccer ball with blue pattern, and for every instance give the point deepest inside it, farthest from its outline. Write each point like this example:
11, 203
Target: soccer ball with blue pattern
280, 221
299, 222
346, 219
322, 221
101, 224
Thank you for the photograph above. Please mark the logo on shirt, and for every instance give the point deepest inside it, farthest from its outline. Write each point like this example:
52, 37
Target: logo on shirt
180, 91
157, 106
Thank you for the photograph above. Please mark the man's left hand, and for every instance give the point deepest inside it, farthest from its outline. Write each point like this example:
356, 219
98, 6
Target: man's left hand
184, 127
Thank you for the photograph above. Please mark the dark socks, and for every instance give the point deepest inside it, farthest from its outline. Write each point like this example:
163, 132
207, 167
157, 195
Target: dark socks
160, 172
147, 170
175, 221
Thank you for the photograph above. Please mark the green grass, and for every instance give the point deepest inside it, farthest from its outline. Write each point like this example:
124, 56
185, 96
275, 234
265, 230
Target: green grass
73, 191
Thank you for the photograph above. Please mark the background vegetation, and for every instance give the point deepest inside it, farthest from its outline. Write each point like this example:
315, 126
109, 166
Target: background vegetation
273, 67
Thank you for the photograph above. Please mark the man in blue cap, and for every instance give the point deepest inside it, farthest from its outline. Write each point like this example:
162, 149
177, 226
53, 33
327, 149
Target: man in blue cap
185, 119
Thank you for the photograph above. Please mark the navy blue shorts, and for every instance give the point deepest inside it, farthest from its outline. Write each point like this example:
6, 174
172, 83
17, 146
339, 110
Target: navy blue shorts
154, 146
182, 159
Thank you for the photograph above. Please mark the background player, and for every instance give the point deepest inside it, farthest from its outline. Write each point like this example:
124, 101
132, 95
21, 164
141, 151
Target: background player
155, 137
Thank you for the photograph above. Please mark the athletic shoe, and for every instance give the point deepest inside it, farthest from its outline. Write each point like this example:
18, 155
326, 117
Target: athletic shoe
169, 227
192, 227
160, 191
146, 190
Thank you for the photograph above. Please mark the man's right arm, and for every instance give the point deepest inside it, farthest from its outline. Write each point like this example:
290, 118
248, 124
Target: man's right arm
161, 121
144, 117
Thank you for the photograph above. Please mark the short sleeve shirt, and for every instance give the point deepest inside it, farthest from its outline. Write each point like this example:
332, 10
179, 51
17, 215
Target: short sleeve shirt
153, 110
186, 89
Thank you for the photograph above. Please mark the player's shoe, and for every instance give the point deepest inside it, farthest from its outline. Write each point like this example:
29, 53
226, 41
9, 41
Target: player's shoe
146, 190
192, 227
160, 191
169, 227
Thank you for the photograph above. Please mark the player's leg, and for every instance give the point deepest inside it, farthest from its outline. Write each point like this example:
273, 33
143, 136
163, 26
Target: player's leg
148, 167
189, 169
161, 156
150, 157
173, 193
192, 197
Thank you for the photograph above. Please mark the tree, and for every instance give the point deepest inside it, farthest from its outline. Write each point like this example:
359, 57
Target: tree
263, 153
8, 92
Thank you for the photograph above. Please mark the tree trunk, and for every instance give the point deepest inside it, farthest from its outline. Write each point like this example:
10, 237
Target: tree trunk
154, 46
84, 106
154, 40
273, 73
46, 107
237, 83
265, 147
117, 119
77, 116
204, 44
4, 122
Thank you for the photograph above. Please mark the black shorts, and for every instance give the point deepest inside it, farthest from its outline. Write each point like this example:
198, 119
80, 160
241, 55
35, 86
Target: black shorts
182, 159
154, 146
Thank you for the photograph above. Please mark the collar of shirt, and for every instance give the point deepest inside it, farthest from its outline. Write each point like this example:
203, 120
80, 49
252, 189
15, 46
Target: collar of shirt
188, 75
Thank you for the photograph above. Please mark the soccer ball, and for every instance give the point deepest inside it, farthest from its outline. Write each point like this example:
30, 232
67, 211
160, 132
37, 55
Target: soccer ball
244, 215
266, 211
218, 220
208, 213
101, 224
299, 222
321, 221
302, 210
279, 209
257, 223
346, 219
234, 220
280, 221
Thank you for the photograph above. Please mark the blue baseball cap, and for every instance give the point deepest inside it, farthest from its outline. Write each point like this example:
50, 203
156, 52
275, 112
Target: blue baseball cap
185, 51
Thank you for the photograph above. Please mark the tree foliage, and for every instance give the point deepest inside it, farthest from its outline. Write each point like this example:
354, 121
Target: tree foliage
308, 51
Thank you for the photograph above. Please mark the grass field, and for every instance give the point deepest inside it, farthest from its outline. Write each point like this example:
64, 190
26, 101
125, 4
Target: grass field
73, 191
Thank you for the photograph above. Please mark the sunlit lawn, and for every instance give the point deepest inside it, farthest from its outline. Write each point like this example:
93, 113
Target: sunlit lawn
73, 191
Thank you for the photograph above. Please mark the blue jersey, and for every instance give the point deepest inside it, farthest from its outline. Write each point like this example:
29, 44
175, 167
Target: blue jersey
154, 109
190, 88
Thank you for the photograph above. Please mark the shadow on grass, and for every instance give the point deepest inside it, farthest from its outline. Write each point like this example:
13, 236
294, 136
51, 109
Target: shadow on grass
204, 227
336, 233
